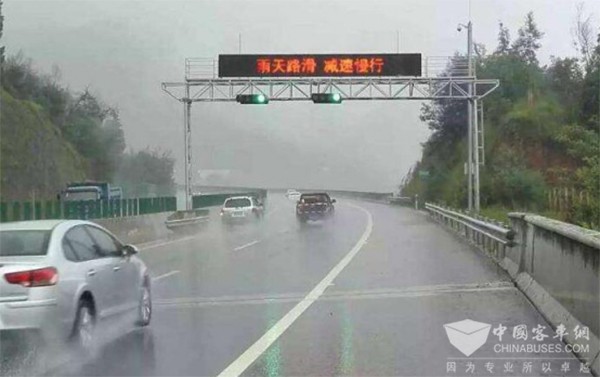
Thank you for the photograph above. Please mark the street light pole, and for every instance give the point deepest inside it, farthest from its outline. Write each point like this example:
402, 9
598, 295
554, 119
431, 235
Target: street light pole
470, 134
470, 116
473, 128
187, 129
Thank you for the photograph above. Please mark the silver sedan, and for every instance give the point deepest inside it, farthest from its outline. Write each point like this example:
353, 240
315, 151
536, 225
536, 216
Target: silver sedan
67, 278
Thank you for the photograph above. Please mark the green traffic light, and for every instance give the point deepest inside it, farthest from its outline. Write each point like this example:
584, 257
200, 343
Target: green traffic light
334, 98
252, 99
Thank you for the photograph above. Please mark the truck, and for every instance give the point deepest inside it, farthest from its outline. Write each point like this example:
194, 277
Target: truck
91, 190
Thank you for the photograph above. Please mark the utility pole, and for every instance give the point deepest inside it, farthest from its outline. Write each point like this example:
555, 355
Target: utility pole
470, 115
470, 112
472, 135
473, 120
187, 129
476, 156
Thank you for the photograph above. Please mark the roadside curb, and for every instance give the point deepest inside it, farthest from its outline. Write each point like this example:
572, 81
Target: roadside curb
557, 314
550, 308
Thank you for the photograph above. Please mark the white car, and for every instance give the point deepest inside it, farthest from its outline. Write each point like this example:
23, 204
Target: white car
240, 208
292, 194
65, 279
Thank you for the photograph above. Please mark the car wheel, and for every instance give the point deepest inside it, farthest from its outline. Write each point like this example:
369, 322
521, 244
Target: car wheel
85, 324
145, 307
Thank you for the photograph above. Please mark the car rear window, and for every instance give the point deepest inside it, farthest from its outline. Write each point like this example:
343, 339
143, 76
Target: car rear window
23, 242
314, 199
233, 203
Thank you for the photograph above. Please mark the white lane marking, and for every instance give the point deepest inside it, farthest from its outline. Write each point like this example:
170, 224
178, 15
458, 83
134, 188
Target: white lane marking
386, 293
155, 245
260, 346
246, 245
157, 278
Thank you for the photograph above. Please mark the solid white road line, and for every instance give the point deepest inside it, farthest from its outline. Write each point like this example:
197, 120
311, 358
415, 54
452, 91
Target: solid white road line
246, 245
260, 346
155, 245
155, 279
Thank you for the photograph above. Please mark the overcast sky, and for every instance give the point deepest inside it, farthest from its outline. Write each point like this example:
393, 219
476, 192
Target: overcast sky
124, 49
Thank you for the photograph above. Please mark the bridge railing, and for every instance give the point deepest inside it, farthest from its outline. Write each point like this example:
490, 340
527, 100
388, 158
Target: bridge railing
493, 238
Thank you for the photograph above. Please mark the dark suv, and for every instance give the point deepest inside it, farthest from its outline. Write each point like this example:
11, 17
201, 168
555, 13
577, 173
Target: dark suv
314, 206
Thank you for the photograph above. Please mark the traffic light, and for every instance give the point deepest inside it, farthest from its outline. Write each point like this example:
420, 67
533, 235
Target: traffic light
252, 99
326, 98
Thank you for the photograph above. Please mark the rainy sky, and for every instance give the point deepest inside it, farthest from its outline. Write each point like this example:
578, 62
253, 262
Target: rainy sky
124, 49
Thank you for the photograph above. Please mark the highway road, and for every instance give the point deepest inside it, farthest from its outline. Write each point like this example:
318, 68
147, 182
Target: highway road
367, 293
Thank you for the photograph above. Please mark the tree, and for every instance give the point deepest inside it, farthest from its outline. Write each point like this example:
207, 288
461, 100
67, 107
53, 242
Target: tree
528, 41
1, 32
565, 80
583, 36
503, 40
480, 50
95, 131
146, 172
590, 111
447, 119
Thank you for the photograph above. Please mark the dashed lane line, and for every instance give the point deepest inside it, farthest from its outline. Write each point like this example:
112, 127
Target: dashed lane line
160, 277
246, 245
260, 346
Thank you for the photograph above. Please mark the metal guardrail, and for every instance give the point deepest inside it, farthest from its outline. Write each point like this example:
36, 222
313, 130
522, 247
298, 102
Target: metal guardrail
493, 238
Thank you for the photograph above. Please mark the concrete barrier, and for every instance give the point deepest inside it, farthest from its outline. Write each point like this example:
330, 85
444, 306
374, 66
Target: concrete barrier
556, 265
380, 197
138, 229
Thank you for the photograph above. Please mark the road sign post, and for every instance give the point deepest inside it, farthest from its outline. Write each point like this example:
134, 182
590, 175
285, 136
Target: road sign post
254, 79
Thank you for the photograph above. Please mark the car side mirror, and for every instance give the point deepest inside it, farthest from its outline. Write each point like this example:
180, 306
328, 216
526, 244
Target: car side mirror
332, 200
130, 250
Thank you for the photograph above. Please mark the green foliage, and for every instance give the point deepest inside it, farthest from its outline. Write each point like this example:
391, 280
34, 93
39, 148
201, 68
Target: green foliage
542, 131
92, 128
1, 33
590, 108
532, 122
34, 159
511, 183
147, 172
520, 188
580, 142
565, 81
584, 144
528, 41
517, 78
503, 40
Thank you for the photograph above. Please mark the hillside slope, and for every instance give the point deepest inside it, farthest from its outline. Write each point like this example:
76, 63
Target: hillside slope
34, 157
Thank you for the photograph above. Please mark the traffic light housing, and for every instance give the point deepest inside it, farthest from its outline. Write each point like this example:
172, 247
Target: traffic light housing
326, 98
252, 99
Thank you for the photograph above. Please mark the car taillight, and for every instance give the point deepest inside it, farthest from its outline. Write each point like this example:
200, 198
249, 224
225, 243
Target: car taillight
33, 278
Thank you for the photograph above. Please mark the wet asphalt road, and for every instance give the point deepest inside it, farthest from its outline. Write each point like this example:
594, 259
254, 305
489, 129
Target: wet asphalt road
219, 292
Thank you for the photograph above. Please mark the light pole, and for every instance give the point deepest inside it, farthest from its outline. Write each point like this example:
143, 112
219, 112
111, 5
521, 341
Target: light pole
473, 158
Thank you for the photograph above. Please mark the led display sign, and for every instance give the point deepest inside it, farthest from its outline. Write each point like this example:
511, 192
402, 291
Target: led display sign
334, 65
